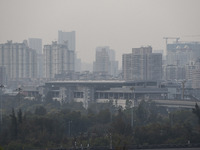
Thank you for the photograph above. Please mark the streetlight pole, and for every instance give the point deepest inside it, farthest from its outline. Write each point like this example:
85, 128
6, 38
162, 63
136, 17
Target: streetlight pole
132, 89
70, 127
1, 86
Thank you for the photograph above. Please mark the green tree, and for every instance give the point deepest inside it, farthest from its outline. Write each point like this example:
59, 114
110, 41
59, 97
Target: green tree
121, 125
19, 115
196, 111
13, 127
41, 111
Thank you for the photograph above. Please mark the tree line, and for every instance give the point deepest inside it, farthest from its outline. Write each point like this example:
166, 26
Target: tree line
50, 124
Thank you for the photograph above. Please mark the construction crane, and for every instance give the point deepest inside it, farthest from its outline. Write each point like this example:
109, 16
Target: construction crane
166, 38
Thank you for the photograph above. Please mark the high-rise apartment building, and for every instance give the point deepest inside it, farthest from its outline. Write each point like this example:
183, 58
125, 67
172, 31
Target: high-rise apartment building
58, 59
189, 68
154, 66
3, 77
180, 58
196, 75
174, 72
142, 64
126, 65
36, 44
19, 60
180, 53
105, 61
69, 37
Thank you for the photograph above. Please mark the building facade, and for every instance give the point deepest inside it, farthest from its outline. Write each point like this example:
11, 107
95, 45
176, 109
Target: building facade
180, 53
174, 72
36, 44
69, 37
19, 60
196, 75
142, 64
126, 65
58, 59
105, 61
3, 77
180, 60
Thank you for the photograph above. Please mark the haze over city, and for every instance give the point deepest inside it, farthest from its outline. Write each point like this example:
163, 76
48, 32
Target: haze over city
99, 74
122, 24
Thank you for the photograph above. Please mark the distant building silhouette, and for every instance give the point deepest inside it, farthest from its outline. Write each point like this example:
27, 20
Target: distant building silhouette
19, 60
196, 75
58, 59
36, 44
180, 61
180, 53
69, 37
3, 78
105, 63
174, 72
142, 64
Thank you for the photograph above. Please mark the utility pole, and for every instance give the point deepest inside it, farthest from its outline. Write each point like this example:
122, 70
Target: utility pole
110, 140
1, 86
183, 88
69, 127
19, 90
132, 89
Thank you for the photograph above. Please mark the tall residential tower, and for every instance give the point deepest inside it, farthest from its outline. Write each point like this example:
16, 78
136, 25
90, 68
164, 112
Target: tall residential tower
69, 37
142, 64
36, 44
19, 60
105, 61
58, 59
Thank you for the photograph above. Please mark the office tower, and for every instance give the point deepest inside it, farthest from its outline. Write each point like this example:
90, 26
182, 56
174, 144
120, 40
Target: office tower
19, 60
142, 64
36, 44
69, 37
58, 59
105, 61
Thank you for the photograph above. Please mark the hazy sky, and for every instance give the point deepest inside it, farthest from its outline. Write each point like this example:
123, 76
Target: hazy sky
120, 24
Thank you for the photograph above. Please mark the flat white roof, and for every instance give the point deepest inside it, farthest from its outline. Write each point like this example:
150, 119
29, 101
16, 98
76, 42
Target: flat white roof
89, 81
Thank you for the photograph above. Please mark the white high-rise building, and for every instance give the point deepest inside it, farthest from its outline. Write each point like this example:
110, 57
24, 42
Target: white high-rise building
19, 60
181, 53
36, 44
196, 75
58, 59
69, 37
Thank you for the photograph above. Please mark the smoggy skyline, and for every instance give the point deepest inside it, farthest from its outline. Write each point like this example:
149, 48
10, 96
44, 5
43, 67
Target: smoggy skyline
121, 24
